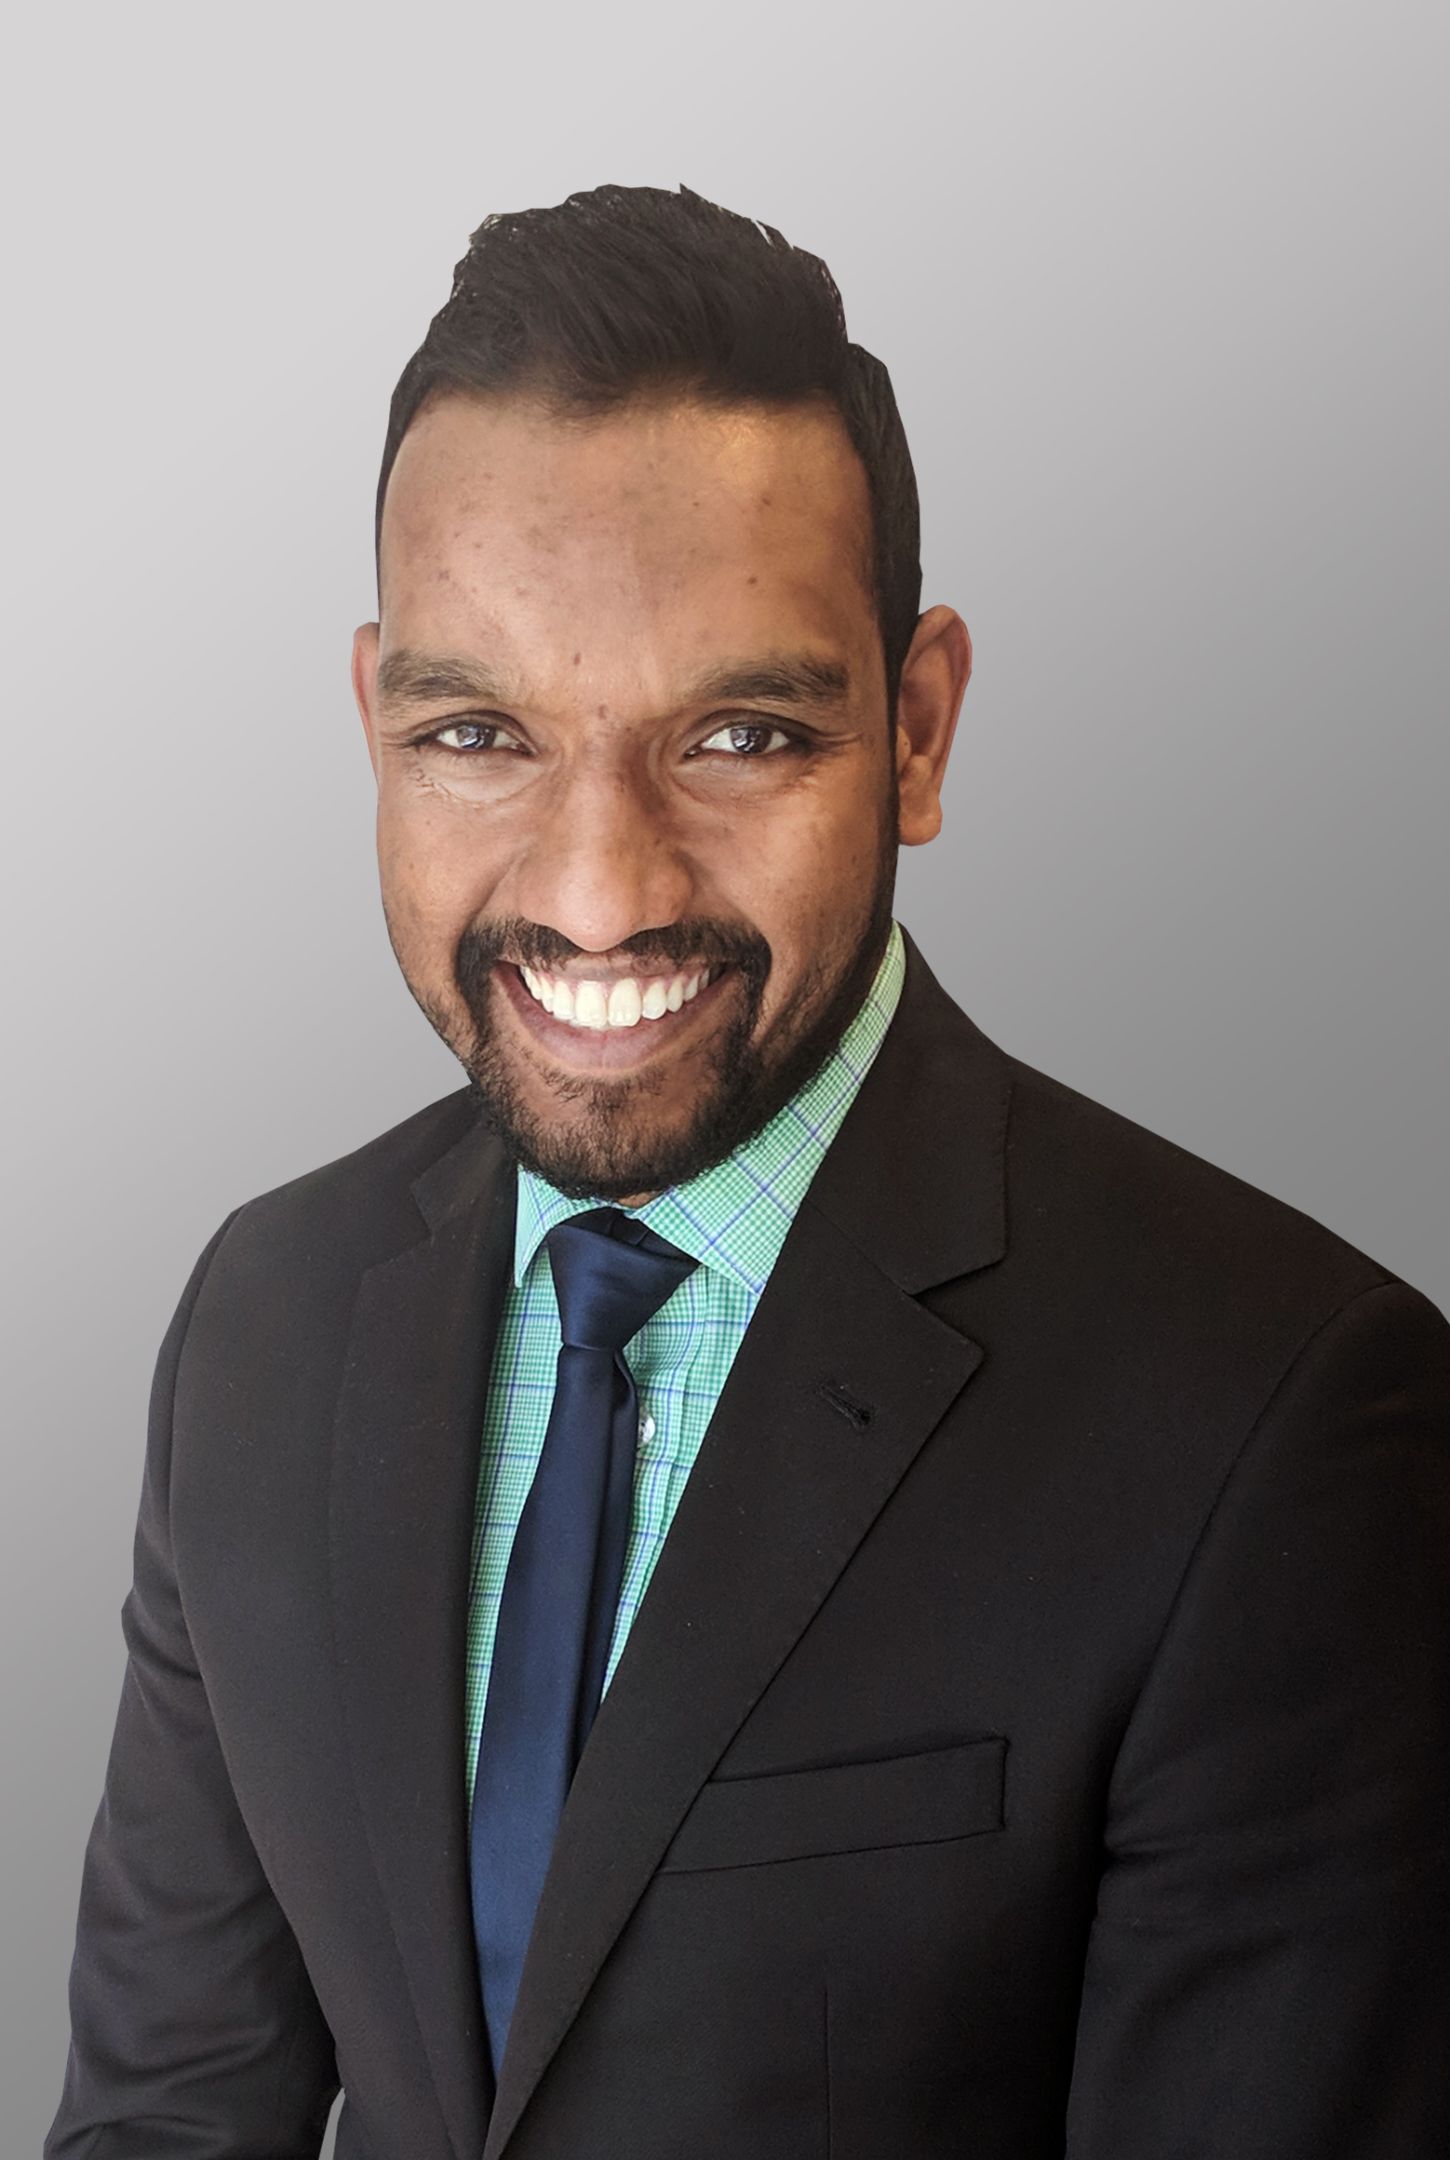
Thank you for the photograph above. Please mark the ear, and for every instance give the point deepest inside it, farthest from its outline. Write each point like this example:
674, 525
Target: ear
365, 682
934, 677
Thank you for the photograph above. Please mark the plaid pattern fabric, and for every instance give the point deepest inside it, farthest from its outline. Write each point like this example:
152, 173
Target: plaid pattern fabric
733, 1219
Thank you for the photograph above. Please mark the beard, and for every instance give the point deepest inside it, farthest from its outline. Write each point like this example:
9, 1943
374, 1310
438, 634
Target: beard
617, 1146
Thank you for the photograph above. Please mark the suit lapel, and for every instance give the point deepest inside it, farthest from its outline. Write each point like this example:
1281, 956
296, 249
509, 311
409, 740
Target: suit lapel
840, 1378
405, 1462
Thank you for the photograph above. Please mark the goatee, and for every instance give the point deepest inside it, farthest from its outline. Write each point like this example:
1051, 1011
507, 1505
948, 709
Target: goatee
614, 1151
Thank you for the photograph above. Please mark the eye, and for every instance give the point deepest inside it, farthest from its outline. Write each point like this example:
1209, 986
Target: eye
473, 732
744, 738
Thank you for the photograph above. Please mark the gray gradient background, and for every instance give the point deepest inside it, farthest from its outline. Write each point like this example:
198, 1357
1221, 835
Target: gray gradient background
1162, 294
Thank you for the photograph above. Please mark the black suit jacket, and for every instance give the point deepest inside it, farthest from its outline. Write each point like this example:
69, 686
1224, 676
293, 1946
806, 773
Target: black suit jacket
1033, 1740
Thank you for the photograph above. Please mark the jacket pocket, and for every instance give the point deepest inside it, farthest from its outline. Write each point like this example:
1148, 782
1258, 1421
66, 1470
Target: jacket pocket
918, 1799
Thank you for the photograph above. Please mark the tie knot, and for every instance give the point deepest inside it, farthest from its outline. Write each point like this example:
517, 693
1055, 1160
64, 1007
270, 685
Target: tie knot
611, 1274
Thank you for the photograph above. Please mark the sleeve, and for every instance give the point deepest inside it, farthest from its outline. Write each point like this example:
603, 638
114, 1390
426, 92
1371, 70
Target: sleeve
195, 2034
1268, 1969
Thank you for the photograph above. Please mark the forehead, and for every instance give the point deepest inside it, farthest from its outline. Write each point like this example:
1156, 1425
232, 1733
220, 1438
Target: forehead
661, 530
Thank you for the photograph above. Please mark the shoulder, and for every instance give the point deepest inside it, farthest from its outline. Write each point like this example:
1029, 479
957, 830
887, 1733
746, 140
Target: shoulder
1092, 1191
348, 1209
1088, 1218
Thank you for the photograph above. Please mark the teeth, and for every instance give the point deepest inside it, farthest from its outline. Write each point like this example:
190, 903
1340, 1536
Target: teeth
623, 1001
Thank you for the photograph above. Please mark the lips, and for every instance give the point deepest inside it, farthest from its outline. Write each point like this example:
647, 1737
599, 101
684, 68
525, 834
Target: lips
610, 1048
616, 1000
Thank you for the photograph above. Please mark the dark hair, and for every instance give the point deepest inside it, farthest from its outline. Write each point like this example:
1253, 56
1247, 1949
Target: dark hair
623, 291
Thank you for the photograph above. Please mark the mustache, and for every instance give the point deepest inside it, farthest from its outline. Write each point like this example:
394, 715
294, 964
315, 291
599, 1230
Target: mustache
661, 951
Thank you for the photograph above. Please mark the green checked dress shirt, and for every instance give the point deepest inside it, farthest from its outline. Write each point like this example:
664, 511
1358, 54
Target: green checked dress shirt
733, 1219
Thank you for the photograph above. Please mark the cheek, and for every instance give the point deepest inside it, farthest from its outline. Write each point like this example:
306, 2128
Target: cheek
435, 867
800, 860
803, 883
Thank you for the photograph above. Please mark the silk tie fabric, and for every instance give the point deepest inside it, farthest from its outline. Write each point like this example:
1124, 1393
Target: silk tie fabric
561, 1589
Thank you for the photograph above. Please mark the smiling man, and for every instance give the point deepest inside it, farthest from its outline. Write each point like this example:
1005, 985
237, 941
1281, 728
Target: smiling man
762, 1578
639, 803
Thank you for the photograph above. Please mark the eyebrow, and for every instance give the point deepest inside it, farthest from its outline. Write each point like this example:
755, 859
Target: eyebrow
785, 678
406, 677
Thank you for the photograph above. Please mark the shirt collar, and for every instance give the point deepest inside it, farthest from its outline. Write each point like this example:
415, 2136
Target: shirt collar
734, 1216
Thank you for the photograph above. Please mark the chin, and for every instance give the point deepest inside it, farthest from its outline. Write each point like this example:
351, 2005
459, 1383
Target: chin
584, 1177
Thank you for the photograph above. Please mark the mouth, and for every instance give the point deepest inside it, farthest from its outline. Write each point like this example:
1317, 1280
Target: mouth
611, 1024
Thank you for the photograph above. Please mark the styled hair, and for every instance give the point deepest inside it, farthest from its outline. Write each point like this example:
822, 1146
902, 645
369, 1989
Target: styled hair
624, 292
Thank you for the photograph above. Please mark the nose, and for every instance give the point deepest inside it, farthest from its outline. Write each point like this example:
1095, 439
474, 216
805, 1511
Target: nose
603, 860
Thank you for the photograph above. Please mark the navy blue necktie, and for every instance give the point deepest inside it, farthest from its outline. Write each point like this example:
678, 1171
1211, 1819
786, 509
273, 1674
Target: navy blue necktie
561, 1589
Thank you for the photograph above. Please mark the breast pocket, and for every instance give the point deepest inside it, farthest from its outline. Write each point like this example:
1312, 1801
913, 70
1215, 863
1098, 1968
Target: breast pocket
917, 1799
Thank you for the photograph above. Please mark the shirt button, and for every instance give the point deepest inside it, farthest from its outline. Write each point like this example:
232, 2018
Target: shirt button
646, 1428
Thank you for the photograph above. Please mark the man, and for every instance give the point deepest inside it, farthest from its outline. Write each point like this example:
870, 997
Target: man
763, 1579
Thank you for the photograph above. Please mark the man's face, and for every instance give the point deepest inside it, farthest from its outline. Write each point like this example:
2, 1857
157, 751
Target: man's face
626, 708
